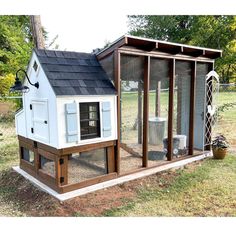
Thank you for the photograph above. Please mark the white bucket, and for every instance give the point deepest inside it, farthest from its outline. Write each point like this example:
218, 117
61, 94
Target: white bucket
182, 140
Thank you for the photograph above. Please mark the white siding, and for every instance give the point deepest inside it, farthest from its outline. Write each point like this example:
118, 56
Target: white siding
44, 92
20, 123
61, 101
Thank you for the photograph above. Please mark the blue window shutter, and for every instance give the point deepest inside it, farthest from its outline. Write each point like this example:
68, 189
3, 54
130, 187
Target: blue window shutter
71, 122
106, 119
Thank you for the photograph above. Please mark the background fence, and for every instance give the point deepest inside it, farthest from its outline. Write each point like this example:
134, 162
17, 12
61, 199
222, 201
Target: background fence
226, 123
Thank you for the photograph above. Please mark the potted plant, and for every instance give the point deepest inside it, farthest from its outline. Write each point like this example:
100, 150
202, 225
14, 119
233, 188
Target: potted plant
219, 147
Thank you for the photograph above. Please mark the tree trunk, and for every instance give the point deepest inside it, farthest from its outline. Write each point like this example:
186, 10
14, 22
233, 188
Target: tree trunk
37, 32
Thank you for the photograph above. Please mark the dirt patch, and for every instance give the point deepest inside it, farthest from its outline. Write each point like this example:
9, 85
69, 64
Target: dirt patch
31, 201
6, 107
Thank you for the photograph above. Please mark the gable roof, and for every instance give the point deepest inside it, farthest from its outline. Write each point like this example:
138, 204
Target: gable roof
74, 73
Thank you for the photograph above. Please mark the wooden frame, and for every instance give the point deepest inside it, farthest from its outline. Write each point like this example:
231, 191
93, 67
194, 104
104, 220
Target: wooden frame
118, 88
192, 106
146, 110
60, 158
171, 109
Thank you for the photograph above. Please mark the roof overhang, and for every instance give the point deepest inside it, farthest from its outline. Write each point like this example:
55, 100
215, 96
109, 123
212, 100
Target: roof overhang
157, 46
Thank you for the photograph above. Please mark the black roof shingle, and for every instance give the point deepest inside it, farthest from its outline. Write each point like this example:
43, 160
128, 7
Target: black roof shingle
74, 73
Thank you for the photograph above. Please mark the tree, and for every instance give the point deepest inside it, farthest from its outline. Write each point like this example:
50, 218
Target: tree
207, 31
15, 48
37, 32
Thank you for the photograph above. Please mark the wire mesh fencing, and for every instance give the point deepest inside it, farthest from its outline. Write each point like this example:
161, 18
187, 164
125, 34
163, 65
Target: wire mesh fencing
8, 137
225, 124
226, 114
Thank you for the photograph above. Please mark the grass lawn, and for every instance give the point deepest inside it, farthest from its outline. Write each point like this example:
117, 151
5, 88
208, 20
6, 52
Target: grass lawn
206, 188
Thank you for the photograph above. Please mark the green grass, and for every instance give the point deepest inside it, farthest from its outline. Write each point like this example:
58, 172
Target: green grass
225, 124
209, 190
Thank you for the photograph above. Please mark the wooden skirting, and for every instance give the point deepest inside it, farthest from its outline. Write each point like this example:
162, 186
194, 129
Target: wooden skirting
61, 164
60, 158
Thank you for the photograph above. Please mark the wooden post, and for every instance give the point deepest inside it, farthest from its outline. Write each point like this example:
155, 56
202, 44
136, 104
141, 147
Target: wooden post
192, 106
171, 109
118, 89
158, 99
37, 32
146, 109
140, 108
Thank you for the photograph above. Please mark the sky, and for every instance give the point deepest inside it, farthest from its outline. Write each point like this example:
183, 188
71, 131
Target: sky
84, 33
86, 25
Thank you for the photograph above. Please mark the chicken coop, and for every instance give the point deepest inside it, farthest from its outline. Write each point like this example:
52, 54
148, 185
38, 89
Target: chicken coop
136, 104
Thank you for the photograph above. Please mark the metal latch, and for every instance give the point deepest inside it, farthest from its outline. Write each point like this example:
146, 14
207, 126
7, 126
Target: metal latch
62, 179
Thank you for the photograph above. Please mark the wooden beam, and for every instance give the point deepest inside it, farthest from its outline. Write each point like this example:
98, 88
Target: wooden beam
167, 48
63, 169
162, 55
86, 147
111, 167
171, 109
193, 52
118, 89
146, 109
192, 106
113, 48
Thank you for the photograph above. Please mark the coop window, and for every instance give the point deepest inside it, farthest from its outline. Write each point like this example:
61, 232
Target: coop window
27, 155
47, 166
89, 120
35, 66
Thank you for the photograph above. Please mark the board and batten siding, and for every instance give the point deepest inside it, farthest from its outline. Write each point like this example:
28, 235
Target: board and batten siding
108, 119
44, 94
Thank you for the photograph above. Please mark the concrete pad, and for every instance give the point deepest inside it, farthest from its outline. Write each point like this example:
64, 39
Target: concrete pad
109, 183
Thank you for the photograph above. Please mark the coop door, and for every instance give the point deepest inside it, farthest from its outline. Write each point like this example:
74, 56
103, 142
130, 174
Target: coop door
40, 128
211, 100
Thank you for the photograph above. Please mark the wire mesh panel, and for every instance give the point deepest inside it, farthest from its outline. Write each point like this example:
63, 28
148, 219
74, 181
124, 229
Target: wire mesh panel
8, 138
181, 108
108, 65
86, 165
132, 74
47, 166
199, 112
158, 110
226, 114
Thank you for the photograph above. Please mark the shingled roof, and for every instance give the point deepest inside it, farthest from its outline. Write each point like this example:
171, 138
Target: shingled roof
74, 73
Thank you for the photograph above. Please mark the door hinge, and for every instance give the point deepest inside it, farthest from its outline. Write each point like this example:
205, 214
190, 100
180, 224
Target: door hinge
32, 130
31, 107
61, 161
62, 180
